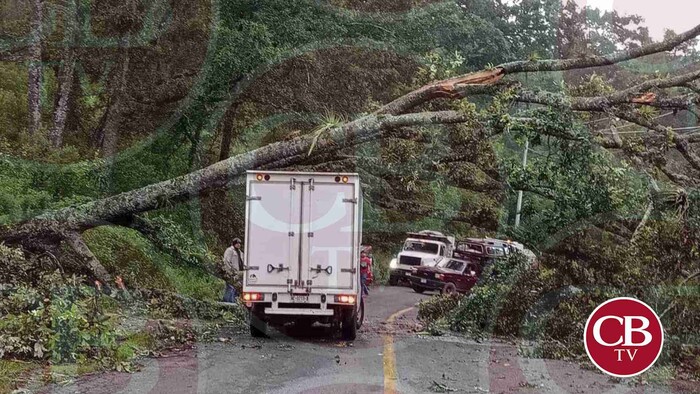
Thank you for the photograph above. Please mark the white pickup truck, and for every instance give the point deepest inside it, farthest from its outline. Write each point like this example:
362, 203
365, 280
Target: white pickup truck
424, 248
302, 235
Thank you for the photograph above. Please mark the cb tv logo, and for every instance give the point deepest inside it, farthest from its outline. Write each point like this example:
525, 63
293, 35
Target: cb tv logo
623, 337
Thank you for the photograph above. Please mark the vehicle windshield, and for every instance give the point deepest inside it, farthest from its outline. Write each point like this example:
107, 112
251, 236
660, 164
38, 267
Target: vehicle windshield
453, 265
471, 247
495, 251
421, 246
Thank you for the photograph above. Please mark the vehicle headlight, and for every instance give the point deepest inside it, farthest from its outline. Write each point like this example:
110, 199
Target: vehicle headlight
393, 263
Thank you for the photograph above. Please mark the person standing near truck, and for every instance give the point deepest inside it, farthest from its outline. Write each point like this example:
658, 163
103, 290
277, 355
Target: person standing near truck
364, 271
233, 262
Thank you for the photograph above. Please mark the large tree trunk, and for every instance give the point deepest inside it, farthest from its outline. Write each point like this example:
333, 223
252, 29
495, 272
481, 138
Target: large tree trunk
63, 225
109, 132
226, 137
60, 114
65, 75
35, 68
120, 208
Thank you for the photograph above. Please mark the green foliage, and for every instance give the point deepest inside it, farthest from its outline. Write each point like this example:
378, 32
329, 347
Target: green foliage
126, 253
194, 282
13, 101
595, 85
13, 374
567, 184
28, 189
438, 65
482, 311
438, 307
58, 319
380, 265
176, 237
328, 122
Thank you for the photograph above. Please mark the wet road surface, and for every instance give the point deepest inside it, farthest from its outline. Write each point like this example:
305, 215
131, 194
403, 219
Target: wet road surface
390, 355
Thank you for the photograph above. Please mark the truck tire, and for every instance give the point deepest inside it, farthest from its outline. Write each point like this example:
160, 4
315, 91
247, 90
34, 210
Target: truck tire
360, 314
348, 328
418, 289
393, 281
449, 289
258, 327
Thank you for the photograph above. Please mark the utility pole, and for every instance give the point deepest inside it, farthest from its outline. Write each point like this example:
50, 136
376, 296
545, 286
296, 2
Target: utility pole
520, 192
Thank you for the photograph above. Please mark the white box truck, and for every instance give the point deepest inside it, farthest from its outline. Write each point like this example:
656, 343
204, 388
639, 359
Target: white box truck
303, 233
424, 248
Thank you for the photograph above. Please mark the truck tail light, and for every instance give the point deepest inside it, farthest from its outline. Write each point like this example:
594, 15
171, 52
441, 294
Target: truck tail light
252, 297
260, 177
345, 299
439, 276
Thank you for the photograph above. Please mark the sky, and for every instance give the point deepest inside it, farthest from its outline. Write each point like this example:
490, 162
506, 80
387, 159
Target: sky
678, 15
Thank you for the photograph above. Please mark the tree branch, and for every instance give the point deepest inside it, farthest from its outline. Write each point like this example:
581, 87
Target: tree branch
681, 144
487, 81
75, 241
637, 94
599, 61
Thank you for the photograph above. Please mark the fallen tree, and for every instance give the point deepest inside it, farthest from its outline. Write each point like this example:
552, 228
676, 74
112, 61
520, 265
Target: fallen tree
64, 226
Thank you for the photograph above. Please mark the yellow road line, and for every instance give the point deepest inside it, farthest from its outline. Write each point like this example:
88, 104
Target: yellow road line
389, 358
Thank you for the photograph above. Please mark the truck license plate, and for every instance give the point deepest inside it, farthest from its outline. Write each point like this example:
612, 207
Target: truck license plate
300, 298
423, 281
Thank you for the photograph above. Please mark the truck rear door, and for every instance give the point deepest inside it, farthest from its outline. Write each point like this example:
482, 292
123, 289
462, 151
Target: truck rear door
274, 231
329, 233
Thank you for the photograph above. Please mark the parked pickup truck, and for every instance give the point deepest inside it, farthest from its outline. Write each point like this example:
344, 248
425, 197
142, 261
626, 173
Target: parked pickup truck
424, 248
449, 277
486, 250
303, 233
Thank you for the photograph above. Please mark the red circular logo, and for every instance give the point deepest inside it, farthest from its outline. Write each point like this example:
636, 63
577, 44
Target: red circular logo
623, 337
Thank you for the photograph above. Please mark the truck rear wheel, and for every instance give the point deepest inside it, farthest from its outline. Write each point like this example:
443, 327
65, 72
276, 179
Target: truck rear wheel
258, 327
418, 289
348, 327
361, 314
393, 281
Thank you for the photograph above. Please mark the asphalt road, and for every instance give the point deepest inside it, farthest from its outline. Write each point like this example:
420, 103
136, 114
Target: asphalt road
389, 356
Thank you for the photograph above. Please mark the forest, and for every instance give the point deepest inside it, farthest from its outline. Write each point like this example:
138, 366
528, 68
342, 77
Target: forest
126, 129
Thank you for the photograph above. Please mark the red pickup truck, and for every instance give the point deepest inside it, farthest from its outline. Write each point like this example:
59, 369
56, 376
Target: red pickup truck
449, 277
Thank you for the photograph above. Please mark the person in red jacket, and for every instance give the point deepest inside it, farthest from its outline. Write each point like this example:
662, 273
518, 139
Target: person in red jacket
365, 266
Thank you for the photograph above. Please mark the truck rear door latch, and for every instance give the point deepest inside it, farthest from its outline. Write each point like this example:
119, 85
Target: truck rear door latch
279, 268
318, 269
253, 198
350, 200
